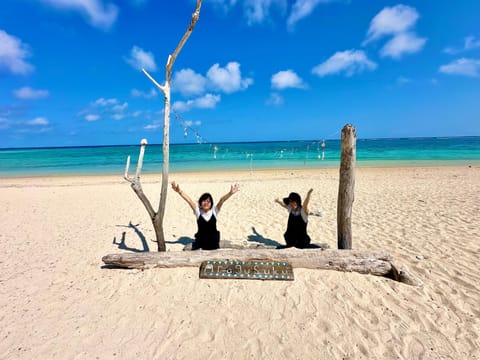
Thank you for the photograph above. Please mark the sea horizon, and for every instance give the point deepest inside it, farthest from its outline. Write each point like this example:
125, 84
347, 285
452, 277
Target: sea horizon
238, 142
225, 156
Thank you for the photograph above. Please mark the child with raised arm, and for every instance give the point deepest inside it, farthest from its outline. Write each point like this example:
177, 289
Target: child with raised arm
296, 234
207, 236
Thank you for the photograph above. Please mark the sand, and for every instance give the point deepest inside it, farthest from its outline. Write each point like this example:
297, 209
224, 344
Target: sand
58, 302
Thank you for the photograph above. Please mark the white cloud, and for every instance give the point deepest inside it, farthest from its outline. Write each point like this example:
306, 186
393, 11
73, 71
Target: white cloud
34, 130
98, 13
256, 11
4, 123
391, 21
191, 123
275, 99
29, 93
119, 111
227, 79
451, 50
404, 43
287, 79
92, 117
13, 54
224, 5
120, 107
118, 116
152, 126
348, 62
396, 22
105, 102
463, 66
261, 11
302, 9
403, 80
208, 101
181, 106
188, 82
470, 43
39, 121
105, 107
141, 59
138, 93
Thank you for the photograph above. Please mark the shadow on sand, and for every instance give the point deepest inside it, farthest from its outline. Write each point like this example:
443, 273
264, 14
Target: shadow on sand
121, 244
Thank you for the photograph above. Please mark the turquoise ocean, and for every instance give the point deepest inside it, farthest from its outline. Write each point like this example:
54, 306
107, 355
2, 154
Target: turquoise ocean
103, 160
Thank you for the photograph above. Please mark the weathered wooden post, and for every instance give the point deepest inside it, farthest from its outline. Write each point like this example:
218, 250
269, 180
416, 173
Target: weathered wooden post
346, 187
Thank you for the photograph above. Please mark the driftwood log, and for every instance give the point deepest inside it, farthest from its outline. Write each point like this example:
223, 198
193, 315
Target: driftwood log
364, 262
346, 187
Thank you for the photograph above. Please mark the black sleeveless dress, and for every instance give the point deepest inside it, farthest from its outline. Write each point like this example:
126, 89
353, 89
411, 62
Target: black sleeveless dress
296, 234
207, 236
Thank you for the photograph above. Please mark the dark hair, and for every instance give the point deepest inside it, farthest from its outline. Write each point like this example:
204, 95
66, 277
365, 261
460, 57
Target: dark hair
205, 196
293, 197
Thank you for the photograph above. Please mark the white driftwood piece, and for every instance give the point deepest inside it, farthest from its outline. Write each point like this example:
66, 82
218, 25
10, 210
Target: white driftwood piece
365, 262
157, 216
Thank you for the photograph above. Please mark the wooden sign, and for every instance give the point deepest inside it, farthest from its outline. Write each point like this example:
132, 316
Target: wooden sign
253, 270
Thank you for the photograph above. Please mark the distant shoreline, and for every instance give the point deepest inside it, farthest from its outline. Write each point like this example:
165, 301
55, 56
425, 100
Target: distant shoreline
111, 160
241, 142
158, 174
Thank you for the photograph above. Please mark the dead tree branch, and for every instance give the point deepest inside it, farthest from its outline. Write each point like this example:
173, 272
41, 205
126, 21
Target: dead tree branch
157, 217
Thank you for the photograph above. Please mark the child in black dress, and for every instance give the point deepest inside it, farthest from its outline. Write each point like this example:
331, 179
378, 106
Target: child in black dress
296, 234
207, 236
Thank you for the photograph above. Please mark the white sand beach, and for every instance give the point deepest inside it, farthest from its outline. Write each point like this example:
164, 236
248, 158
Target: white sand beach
57, 300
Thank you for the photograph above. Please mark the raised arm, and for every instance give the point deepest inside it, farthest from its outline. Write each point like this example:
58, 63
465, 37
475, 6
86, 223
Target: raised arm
281, 203
187, 198
233, 190
307, 200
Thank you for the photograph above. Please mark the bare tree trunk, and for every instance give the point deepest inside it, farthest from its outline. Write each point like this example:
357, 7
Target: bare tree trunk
158, 222
157, 217
158, 226
346, 187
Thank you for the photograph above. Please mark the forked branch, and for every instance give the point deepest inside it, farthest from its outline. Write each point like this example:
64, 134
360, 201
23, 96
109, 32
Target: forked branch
135, 181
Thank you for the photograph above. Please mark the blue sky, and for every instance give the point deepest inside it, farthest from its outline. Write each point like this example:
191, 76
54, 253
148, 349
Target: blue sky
252, 70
